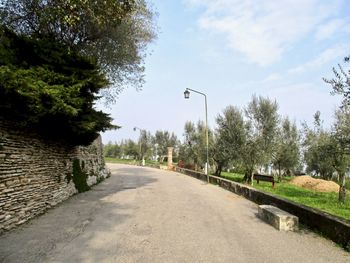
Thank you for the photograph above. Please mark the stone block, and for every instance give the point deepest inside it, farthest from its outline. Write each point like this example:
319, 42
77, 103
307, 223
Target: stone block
278, 218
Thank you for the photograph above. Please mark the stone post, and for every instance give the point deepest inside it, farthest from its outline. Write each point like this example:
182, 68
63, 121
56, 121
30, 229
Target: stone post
170, 158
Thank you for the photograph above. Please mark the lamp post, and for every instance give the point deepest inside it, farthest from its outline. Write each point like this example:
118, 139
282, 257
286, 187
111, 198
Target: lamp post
187, 96
143, 160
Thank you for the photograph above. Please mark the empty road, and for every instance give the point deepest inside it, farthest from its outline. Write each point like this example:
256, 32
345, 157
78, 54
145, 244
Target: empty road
148, 215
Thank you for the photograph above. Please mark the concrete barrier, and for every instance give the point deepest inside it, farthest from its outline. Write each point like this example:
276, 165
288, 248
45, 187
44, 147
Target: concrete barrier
333, 227
279, 219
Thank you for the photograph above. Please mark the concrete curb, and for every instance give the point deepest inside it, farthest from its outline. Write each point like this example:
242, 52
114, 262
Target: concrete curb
333, 227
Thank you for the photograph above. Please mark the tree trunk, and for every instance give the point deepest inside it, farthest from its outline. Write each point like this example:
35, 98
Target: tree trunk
342, 190
251, 177
279, 173
218, 169
248, 177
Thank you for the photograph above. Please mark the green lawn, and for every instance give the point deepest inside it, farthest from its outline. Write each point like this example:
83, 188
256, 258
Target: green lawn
132, 162
327, 202
123, 161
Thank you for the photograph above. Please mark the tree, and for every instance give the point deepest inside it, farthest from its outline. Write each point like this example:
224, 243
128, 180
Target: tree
145, 142
328, 152
47, 89
260, 133
113, 33
340, 83
58, 57
229, 139
317, 144
287, 149
340, 147
193, 150
187, 150
112, 150
130, 149
163, 140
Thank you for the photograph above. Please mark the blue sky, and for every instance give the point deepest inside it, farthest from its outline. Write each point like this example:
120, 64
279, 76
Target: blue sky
230, 50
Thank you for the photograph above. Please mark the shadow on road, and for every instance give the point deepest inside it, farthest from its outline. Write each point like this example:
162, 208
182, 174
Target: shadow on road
88, 217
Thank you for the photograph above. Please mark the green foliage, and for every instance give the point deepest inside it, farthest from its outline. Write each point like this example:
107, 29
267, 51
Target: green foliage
113, 33
162, 140
145, 144
121, 161
47, 88
131, 149
260, 134
340, 83
287, 148
317, 153
112, 150
193, 151
229, 139
327, 152
79, 177
341, 146
148, 146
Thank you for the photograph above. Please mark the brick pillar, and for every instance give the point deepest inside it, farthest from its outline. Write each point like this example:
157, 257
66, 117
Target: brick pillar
170, 158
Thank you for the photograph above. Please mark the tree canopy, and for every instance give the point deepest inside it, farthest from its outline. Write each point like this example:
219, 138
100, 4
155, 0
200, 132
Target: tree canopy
229, 139
340, 83
58, 57
260, 132
44, 88
287, 147
113, 33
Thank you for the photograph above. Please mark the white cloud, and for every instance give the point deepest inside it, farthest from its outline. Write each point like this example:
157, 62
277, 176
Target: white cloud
325, 57
264, 30
327, 30
272, 77
301, 100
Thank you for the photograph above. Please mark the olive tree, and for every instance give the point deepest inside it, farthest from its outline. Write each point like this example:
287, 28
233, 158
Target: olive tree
340, 149
287, 149
317, 144
162, 140
260, 134
229, 139
193, 149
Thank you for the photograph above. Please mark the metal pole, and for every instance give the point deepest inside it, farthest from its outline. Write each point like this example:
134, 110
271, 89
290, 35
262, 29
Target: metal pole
206, 130
141, 160
207, 138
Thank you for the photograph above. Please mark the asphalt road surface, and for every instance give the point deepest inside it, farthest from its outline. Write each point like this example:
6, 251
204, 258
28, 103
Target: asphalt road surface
148, 215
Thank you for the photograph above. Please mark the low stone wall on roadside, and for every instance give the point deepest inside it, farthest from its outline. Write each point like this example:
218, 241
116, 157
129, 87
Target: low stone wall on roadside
333, 227
36, 174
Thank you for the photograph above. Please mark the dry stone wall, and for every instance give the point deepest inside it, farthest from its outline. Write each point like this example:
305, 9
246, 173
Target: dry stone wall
36, 174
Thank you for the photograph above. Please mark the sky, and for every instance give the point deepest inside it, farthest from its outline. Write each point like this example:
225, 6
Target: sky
231, 50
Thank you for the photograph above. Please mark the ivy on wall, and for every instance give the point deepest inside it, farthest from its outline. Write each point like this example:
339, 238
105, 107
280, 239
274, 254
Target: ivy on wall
79, 177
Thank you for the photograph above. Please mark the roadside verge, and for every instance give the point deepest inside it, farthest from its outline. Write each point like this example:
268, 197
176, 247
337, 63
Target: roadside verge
333, 227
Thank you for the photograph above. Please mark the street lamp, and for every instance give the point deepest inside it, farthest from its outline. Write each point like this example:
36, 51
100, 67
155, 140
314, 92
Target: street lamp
187, 96
143, 160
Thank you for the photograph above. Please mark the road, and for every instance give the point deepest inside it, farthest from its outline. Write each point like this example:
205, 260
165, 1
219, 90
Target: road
148, 215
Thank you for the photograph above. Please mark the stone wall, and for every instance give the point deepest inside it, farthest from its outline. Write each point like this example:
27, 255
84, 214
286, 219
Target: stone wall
36, 174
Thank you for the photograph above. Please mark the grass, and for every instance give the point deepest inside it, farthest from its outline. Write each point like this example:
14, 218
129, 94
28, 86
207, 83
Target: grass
132, 161
327, 202
122, 161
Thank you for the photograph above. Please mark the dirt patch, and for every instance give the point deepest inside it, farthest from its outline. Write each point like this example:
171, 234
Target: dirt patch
318, 185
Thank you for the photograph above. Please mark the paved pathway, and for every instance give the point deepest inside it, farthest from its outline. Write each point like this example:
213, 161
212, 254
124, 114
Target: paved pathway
148, 215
